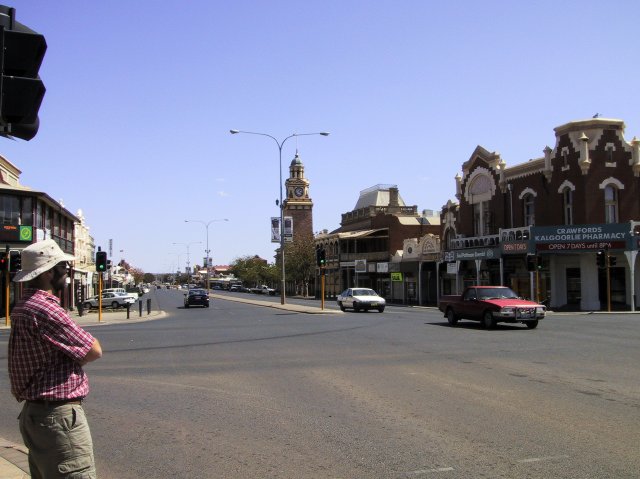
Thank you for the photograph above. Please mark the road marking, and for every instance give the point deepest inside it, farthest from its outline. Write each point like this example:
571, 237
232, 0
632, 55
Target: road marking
426, 471
538, 459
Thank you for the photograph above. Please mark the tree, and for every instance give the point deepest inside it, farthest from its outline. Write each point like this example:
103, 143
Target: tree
253, 270
148, 278
137, 274
300, 262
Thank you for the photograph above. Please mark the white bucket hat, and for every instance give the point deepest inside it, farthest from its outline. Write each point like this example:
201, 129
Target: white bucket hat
40, 257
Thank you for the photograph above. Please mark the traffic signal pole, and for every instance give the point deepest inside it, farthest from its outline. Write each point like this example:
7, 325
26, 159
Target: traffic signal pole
322, 288
608, 283
100, 298
5, 272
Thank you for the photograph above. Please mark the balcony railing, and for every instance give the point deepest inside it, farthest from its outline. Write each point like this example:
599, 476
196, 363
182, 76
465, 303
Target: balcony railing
510, 234
374, 256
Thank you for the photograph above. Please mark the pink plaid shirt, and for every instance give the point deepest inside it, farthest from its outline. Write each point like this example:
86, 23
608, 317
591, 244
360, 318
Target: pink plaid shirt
45, 346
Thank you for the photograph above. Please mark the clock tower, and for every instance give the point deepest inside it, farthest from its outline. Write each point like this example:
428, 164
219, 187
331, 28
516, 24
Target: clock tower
297, 204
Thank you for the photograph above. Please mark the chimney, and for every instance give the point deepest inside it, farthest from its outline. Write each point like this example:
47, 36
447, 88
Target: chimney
393, 196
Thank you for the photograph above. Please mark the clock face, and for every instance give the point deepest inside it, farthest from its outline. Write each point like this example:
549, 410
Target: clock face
299, 191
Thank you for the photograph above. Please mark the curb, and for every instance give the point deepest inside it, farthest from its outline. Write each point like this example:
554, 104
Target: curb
14, 460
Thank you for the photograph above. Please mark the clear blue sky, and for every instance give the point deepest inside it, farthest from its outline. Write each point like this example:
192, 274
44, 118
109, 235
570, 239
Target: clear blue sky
143, 94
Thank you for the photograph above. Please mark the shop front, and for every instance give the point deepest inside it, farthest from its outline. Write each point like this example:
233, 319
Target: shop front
578, 280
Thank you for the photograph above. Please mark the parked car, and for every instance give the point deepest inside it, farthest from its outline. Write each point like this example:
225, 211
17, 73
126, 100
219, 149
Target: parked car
491, 305
122, 292
263, 289
361, 299
195, 297
109, 300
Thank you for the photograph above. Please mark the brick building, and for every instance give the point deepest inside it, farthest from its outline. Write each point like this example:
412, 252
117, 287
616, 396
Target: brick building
360, 252
559, 210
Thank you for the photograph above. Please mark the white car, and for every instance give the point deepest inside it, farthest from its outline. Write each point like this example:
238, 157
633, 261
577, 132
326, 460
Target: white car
121, 292
361, 299
109, 300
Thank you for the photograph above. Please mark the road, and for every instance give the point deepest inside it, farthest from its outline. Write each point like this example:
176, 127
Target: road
240, 391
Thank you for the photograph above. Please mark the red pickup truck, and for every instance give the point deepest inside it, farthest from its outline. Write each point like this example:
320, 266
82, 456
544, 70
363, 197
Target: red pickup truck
491, 305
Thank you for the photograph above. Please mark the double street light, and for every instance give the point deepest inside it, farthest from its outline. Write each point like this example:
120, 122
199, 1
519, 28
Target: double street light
206, 225
280, 145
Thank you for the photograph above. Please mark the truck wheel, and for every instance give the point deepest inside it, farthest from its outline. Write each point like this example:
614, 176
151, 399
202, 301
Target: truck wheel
115, 305
488, 321
87, 306
531, 324
381, 309
356, 308
342, 308
451, 317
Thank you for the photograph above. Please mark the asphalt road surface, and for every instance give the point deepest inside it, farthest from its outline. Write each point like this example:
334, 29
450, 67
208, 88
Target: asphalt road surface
240, 391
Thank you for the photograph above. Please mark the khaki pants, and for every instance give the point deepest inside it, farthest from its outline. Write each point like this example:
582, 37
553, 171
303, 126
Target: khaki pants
59, 441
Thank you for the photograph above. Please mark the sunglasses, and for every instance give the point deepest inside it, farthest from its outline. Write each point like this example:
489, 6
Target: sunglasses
64, 266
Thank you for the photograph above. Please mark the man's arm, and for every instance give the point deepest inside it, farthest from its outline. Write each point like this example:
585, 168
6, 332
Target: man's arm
94, 353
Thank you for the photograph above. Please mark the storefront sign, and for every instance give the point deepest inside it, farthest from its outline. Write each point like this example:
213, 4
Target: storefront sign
471, 254
361, 265
583, 237
16, 233
396, 276
515, 248
581, 246
382, 267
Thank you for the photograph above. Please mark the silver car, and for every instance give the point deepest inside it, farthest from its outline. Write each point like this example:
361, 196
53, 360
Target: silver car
113, 300
361, 299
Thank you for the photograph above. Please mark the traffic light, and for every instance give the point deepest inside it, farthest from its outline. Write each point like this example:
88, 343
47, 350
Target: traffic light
601, 258
612, 261
323, 257
101, 261
318, 256
15, 261
21, 90
3, 262
532, 262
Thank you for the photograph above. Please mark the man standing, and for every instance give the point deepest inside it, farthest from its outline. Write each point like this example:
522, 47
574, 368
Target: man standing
47, 350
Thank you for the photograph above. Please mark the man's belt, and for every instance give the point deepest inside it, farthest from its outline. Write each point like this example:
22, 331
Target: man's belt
54, 402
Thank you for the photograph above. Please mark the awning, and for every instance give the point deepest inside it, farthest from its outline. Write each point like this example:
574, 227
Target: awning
360, 233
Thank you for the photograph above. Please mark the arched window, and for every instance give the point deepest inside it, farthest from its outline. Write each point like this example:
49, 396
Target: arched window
567, 196
529, 210
610, 204
479, 193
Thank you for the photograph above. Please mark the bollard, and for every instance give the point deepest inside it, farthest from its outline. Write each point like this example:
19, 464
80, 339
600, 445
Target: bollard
128, 309
80, 309
140, 307
148, 305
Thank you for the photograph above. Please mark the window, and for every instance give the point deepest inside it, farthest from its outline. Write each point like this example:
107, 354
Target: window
9, 210
610, 204
529, 210
567, 195
481, 219
609, 153
27, 211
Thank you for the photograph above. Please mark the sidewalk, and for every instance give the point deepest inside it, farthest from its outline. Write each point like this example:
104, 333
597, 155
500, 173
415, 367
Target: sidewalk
14, 463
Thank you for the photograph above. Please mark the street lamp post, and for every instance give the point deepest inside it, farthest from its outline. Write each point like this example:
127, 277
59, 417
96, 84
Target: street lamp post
188, 245
206, 225
280, 145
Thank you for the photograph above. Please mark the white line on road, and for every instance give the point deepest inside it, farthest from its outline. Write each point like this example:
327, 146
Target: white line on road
538, 459
426, 471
